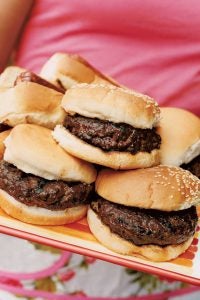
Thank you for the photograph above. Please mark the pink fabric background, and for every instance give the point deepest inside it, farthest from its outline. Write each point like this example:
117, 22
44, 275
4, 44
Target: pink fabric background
152, 46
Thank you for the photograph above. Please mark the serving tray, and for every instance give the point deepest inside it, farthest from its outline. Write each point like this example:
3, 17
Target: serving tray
77, 238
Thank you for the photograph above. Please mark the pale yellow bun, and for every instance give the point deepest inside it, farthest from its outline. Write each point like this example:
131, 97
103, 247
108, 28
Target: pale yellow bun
117, 244
30, 102
70, 69
32, 149
113, 104
37, 215
162, 187
180, 133
9, 75
3, 136
111, 159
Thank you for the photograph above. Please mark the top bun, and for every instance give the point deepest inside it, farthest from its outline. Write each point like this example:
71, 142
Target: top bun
180, 133
32, 149
111, 103
9, 75
69, 69
162, 187
30, 102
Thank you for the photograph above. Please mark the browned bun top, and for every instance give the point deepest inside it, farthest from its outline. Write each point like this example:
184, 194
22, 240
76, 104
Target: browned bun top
69, 69
162, 187
32, 149
180, 133
111, 103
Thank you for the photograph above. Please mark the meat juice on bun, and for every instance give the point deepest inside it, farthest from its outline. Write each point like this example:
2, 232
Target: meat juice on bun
39, 182
110, 126
150, 212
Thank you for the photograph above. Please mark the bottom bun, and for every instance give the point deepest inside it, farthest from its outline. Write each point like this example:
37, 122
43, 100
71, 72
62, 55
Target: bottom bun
111, 159
37, 215
114, 242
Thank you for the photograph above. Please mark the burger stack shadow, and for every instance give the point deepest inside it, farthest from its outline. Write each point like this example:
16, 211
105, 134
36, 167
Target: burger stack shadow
139, 208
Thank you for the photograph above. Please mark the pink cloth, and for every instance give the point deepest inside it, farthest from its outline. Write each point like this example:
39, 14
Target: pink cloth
152, 46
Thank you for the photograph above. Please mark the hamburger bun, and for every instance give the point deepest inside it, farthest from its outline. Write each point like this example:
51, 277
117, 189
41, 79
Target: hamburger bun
37, 215
113, 104
3, 136
32, 149
117, 244
180, 133
9, 75
111, 159
30, 102
163, 188
68, 69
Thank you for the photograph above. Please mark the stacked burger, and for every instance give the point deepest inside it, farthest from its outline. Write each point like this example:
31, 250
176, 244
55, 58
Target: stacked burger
47, 177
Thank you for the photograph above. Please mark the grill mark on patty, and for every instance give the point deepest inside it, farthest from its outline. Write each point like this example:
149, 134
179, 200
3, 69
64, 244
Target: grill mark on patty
111, 136
193, 166
147, 226
36, 191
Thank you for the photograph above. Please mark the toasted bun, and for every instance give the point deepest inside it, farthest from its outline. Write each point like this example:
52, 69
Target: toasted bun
3, 136
9, 75
30, 102
32, 149
112, 159
162, 187
180, 133
111, 103
39, 216
114, 242
69, 69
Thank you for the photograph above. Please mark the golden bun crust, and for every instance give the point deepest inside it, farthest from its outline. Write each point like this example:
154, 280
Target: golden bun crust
3, 136
40, 216
117, 244
111, 103
180, 133
30, 102
69, 69
112, 159
9, 75
32, 149
162, 187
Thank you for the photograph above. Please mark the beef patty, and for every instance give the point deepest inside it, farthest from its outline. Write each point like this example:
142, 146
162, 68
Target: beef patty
36, 191
32, 77
193, 166
111, 136
147, 226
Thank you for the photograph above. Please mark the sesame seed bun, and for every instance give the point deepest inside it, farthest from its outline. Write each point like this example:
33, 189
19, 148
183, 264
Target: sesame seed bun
162, 188
37, 215
69, 69
33, 103
112, 104
122, 246
180, 133
32, 149
9, 75
111, 159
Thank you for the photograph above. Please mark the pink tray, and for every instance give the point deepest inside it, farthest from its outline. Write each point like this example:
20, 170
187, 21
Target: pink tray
77, 238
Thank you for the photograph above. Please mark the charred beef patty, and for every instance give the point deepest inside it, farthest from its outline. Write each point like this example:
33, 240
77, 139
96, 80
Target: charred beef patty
193, 166
111, 136
147, 226
36, 191
32, 77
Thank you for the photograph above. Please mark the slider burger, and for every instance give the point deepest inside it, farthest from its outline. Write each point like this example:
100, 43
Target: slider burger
150, 212
31, 100
180, 133
65, 70
110, 126
39, 182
